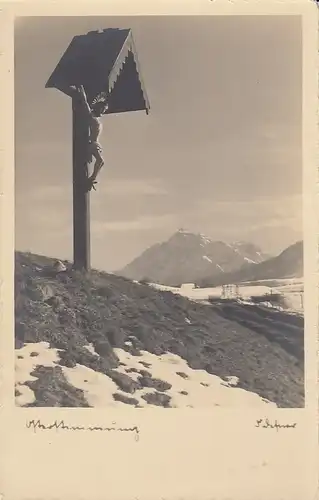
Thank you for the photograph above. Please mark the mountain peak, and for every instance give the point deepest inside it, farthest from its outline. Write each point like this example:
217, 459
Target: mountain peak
288, 264
183, 231
189, 257
196, 235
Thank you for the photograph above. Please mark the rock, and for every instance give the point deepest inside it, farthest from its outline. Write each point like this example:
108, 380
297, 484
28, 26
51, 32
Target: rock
132, 370
115, 336
66, 316
144, 373
132, 350
39, 292
47, 292
147, 365
137, 344
63, 277
195, 362
52, 389
157, 399
69, 363
154, 383
59, 267
125, 399
61, 344
104, 291
104, 352
102, 364
67, 358
103, 348
124, 382
55, 302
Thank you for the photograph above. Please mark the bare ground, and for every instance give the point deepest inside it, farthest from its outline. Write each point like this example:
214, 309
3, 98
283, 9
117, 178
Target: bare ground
70, 310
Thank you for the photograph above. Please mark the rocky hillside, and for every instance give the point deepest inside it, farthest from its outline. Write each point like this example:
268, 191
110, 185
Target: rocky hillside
288, 264
188, 257
90, 339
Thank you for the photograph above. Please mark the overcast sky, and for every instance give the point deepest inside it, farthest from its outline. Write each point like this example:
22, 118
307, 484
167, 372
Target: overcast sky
220, 152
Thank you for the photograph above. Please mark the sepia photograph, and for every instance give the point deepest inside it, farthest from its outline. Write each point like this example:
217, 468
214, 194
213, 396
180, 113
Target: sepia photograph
159, 212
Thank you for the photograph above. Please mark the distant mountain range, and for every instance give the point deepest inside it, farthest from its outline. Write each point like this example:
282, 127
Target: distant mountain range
288, 264
188, 257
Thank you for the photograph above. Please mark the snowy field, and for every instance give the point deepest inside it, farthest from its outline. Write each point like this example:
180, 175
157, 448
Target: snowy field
291, 289
189, 388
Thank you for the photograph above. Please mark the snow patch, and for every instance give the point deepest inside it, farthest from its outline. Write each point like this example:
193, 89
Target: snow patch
207, 258
184, 232
205, 239
220, 268
232, 381
98, 389
91, 349
188, 286
292, 290
249, 260
203, 389
199, 390
26, 361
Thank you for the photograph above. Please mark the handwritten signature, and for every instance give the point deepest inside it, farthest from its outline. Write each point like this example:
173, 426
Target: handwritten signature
266, 424
60, 425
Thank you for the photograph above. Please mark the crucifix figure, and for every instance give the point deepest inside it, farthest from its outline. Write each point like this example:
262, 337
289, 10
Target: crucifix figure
94, 148
100, 72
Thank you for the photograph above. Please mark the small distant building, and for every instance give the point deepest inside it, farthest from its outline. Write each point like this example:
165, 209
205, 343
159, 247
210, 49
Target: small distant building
230, 292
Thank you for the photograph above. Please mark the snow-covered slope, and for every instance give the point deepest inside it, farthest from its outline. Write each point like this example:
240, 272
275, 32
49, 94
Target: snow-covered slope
288, 264
182, 387
94, 339
189, 257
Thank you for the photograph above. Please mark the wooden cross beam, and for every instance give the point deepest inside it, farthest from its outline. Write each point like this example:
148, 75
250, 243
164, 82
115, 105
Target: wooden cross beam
105, 63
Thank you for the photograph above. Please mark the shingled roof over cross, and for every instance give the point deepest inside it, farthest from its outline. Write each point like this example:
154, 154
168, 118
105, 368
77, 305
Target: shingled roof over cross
104, 62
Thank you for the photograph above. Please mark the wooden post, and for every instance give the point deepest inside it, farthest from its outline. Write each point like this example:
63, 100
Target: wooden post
81, 197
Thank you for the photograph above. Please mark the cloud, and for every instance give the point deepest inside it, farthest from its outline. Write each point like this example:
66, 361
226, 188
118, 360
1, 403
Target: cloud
142, 223
54, 193
272, 222
126, 187
266, 206
51, 193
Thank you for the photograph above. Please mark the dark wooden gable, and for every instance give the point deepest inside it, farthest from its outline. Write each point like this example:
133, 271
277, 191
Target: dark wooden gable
104, 62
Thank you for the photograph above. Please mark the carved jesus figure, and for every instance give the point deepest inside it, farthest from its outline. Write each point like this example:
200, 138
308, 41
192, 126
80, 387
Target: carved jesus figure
94, 114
